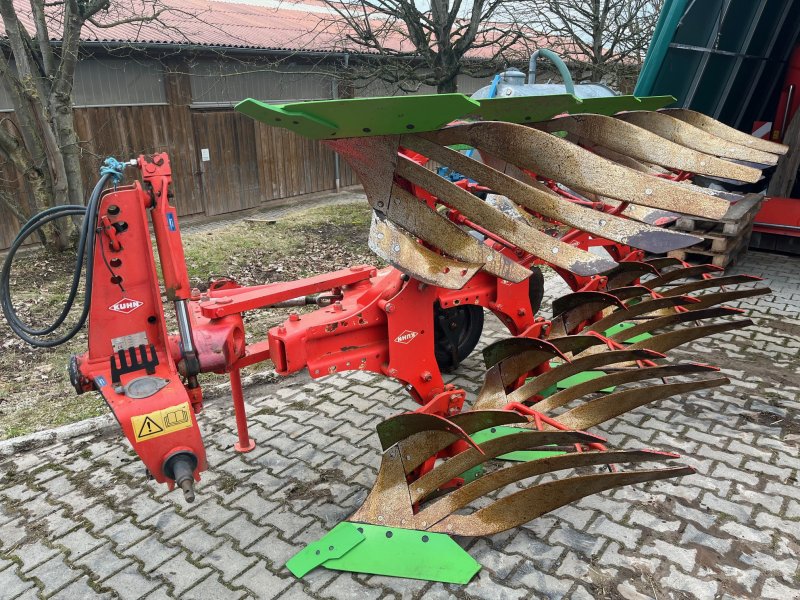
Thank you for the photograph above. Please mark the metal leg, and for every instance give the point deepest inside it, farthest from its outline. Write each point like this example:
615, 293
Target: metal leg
245, 444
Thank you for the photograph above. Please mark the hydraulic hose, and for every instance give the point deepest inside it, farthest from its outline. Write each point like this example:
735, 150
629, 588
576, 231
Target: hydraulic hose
84, 259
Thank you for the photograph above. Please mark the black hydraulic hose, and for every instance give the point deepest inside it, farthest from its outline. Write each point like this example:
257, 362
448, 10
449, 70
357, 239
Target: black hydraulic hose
85, 255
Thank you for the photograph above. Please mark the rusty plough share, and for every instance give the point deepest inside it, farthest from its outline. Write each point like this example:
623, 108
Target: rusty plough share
627, 172
544, 181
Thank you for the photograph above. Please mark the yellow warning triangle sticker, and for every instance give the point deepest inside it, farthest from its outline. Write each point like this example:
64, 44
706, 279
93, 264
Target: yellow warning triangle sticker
149, 427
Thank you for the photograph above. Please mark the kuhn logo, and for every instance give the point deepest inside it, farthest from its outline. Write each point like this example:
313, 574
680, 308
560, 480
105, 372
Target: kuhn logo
125, 306
406, 337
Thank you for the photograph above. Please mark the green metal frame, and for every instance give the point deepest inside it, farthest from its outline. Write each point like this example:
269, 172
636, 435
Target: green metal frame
362, 117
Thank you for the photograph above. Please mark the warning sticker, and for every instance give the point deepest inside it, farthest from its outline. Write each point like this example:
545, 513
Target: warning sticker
161, 422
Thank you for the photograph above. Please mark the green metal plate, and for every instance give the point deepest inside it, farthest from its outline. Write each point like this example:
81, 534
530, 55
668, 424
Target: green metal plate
527, 109
361, 117
622, 327
576, 379
518, 455
400, 553
655, 102
336, 543
614, 104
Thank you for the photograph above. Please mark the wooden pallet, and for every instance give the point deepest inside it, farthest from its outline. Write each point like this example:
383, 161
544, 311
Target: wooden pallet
724, 241
726, 258
738, 217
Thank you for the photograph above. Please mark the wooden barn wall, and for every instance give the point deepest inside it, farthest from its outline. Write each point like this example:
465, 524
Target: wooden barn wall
250, 164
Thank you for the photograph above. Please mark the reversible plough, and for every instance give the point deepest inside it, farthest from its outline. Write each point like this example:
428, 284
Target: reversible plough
585, 187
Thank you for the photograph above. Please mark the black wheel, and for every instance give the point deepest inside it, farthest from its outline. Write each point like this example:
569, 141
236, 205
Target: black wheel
457, 332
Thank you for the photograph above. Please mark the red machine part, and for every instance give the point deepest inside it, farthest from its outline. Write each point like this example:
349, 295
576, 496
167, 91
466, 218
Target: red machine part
130, 361
379, 321
149, 378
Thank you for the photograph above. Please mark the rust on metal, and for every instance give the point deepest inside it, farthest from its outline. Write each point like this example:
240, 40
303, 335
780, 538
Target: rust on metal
463, 461
643, 145
417, 218
681, 132
401, 426
521, 507
654, 324
388, 502
723, 131
582, 363
592, 413
574, 392
672, 339
706, 300
681, 273
627, 272
529, 239
578, 168
511, 346
626, 231
401, 250
705, 284
640, 308
418, 447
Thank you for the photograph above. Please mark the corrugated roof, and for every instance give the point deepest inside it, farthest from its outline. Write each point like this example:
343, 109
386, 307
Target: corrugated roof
294, 25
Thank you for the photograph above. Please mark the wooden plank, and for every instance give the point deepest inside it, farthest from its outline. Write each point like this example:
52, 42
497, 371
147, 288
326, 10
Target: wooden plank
745, 214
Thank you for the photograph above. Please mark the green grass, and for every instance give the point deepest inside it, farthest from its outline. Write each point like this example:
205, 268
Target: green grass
35, 392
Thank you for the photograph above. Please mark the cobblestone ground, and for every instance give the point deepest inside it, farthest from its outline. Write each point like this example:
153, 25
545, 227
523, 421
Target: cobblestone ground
78, 519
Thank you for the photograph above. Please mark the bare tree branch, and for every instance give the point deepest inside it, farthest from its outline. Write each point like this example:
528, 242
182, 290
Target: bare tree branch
436, 44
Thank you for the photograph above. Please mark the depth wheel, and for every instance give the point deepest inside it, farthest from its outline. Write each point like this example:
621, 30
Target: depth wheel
458, 331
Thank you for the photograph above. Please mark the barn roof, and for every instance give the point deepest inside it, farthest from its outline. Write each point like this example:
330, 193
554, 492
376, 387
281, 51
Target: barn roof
281, 25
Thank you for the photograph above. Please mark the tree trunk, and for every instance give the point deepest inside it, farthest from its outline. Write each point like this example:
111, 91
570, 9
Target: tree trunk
69, 144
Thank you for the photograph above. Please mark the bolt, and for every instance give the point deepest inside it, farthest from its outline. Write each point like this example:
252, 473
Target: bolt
113, 209
281, 328
521, 312
338, 306
195, 294
426, 376
294, 317
389, 307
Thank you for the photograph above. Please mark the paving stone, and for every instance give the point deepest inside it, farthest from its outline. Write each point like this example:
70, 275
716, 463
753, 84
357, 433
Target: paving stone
229, 560
79, 589
102, 562
696, 588
547, 586
181, 574
33, 554
344, 586
54, 574
151, 552
685, 557
261, 582
777, 590
130, 584
693, 535
15, 586
12, 533
212, 588
125, 533
78, 543
274, 549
